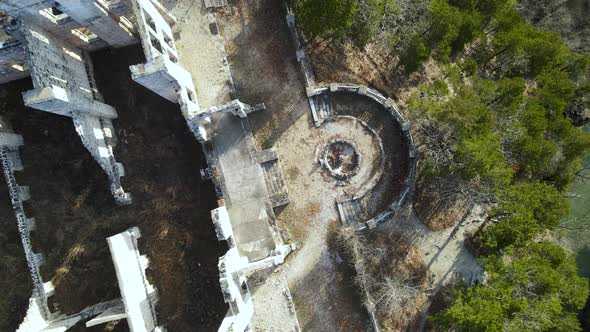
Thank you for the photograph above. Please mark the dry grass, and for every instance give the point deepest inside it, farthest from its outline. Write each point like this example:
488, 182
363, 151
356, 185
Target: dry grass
438, 203
390, 272
373, 65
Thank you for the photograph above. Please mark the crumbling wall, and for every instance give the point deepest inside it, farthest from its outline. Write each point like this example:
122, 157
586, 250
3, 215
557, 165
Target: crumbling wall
162, 72
84, 24
12, 61
139, 296
39, 316
232, 279
64, 85
11, 162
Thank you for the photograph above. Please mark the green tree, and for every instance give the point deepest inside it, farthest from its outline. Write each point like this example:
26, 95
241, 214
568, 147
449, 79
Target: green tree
414, 54
531, 288
525, 210
331, 19
446, 21
480, 156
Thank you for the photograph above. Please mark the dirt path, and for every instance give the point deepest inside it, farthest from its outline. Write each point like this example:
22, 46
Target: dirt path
262, 61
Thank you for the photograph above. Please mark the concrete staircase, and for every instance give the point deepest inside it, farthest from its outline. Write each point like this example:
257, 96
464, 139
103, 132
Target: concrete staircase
323, 105
352, 212
276, 186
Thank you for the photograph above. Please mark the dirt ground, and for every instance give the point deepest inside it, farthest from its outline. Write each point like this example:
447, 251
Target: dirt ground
75, 211
264, 69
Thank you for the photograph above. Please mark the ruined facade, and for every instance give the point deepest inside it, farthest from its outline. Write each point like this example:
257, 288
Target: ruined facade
50, 41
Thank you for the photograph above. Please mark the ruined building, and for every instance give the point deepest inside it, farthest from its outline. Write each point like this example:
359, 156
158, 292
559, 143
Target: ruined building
50, 41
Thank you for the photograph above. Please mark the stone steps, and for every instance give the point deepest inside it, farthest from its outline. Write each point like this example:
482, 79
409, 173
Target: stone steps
351, 212
276, 186
324, 106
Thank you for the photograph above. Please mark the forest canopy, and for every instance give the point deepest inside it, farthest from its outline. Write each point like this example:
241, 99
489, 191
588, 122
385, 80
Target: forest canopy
500, 122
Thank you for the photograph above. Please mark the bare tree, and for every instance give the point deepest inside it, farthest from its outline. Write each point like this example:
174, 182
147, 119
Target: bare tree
393, 292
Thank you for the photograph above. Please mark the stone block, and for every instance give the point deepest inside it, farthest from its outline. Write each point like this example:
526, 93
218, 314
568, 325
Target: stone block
362, 90
390, 103
291, 20
55, 99
10, 139
300, 55
267, 155
24, 193
31, 223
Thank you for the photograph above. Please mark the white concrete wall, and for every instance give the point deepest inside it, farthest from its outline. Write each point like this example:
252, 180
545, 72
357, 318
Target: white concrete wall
101, 20
162, 72
138, 295
241, 308
64, 85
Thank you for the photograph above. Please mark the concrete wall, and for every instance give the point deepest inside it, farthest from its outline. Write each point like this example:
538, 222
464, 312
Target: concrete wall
65, 18
64, 85
139, 296
162, 72
84, 24
10, 159
236, 292
12, 61
234, 285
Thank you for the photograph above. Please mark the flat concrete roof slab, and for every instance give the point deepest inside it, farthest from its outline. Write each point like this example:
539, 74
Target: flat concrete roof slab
243, 186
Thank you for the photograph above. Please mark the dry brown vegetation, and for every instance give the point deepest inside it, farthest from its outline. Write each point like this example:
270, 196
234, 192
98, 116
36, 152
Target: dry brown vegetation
439, 203
374, 65
391, 275
75, 211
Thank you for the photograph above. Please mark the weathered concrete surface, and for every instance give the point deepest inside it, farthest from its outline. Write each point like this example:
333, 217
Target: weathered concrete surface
103, 24
138, 295
64, 84
235, 291
202, 52
97, 18
243, 186
55, 99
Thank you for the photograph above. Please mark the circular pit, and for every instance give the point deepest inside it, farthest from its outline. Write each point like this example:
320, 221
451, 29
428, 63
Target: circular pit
341, 159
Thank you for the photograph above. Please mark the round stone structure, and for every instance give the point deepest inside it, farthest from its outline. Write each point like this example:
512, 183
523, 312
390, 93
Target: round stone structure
369, 148
341, 159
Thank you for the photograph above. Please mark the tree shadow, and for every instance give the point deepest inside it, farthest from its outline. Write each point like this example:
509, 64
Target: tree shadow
583, 262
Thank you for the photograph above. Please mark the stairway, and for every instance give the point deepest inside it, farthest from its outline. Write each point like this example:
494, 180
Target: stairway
351, 212
323, 105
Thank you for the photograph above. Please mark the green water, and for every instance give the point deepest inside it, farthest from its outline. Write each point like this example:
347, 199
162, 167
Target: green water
576, 229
